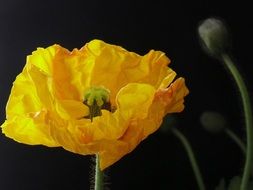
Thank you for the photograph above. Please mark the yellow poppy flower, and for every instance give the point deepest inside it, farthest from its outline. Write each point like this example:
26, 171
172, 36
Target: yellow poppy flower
46, 104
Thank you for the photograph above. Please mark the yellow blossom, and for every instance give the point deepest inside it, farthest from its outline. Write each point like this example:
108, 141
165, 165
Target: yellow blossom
46, 105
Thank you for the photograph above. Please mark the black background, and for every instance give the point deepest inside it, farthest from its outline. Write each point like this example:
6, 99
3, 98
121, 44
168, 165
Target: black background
160, 161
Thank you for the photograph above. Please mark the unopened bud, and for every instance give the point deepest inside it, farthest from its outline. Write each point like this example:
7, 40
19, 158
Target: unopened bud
213, 122
214, 36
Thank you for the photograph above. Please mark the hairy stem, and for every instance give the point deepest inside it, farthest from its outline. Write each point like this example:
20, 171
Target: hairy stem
99, 176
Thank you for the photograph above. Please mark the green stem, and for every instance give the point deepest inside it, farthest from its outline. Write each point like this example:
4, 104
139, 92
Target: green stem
95, 98
236, 139
248, 119
191, 156
99, 176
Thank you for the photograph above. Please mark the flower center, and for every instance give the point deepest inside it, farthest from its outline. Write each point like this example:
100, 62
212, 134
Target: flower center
97, 98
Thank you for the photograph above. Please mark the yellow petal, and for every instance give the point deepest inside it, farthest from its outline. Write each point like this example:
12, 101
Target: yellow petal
28, 130
117, 149
151, 68
23, 98
71, 109
134, 100
42, 59
169, 100
116, 67
173, 96
169, 77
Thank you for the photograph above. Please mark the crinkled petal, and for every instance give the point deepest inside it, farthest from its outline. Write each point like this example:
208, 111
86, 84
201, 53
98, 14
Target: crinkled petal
170, 76
63, 68
139, 129
23, 98
29, 131
131, 138
129, 99
173, 96
116, 67
71, 109
134, 100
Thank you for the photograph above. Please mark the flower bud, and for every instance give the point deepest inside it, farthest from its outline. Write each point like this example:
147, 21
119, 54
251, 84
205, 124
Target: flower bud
213, 122
214, 37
